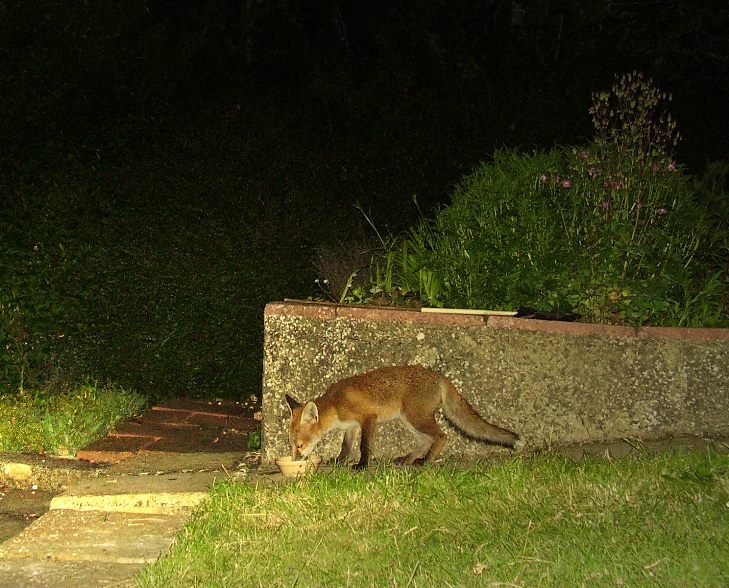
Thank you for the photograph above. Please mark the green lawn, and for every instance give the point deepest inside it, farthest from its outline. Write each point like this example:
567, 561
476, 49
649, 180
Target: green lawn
542, 520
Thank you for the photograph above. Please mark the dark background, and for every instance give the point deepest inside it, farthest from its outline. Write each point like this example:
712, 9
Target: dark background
167, 167
446, 80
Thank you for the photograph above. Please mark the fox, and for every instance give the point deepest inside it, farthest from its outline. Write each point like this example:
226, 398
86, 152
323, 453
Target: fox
411, 393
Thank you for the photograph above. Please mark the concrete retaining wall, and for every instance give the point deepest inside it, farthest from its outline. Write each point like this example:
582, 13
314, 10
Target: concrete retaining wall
554, 383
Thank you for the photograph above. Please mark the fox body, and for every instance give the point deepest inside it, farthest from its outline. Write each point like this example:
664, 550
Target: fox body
411, 393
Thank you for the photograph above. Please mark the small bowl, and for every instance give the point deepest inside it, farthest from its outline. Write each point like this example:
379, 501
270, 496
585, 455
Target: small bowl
292, 468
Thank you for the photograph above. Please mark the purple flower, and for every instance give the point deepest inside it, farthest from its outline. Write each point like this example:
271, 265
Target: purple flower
671, 166
605, 204
566, 183
662, 211
584, 155
592, 171
543, 178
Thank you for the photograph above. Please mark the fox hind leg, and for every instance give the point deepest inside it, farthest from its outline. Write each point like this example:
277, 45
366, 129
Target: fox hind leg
431, 441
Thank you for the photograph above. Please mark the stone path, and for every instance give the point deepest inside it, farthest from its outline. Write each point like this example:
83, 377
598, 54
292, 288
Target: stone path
120, 508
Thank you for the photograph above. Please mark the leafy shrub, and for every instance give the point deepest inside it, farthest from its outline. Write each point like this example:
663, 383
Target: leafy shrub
635, 231
39, 313
62, 422
611, 231
634, 242
496, 245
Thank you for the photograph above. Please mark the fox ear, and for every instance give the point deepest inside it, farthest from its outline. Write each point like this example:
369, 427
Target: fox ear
310, 414
292, 402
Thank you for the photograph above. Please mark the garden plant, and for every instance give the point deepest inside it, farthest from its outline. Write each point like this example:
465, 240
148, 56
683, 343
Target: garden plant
612, 231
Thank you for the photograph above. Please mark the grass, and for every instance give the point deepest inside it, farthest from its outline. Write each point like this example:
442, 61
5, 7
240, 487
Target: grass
60, 423
652, 520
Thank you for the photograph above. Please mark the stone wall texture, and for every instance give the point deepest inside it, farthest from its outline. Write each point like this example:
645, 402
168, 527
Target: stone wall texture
554, 383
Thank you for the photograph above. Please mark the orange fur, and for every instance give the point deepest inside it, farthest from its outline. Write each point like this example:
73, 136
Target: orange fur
411, 394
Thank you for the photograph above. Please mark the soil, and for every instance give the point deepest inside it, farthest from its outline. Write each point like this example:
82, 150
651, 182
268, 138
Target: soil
19, 508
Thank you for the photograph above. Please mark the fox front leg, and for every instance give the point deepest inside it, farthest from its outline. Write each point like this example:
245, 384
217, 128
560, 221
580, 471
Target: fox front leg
350, 435
368, 433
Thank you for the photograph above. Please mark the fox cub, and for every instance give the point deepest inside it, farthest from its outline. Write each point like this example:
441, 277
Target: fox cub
411, 393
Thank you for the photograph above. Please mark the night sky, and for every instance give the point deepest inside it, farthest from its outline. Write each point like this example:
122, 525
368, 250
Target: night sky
513, 73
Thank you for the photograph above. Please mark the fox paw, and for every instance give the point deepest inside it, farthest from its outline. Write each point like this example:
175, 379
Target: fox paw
405, 460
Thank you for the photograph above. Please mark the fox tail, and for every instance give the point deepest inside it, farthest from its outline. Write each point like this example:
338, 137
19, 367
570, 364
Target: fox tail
464, 416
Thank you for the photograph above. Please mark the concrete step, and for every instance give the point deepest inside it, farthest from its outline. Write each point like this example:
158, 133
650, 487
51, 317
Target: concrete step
168, 493
68, 535
66, 548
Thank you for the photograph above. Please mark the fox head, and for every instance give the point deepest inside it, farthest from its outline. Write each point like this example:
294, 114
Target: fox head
305, 430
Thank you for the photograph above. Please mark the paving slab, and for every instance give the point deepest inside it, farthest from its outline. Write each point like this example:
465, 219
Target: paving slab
141, 503
157, 462
170, 482
69, 549
95, 536
181, 426
32, 573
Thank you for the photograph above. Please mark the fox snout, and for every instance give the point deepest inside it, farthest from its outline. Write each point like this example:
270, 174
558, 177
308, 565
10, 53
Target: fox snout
300, 450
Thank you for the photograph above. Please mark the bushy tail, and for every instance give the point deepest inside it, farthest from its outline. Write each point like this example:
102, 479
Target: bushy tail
465, 417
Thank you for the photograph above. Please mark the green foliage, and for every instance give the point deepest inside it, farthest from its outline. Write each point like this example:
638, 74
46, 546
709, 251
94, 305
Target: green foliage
39, 312
253, 440
638, 237
496, 246
612, 231
60, 423
634, 237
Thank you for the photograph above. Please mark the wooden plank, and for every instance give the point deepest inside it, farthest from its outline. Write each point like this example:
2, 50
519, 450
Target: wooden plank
470, 311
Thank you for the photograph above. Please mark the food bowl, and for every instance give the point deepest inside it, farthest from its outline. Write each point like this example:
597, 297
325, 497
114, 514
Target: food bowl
292, 468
